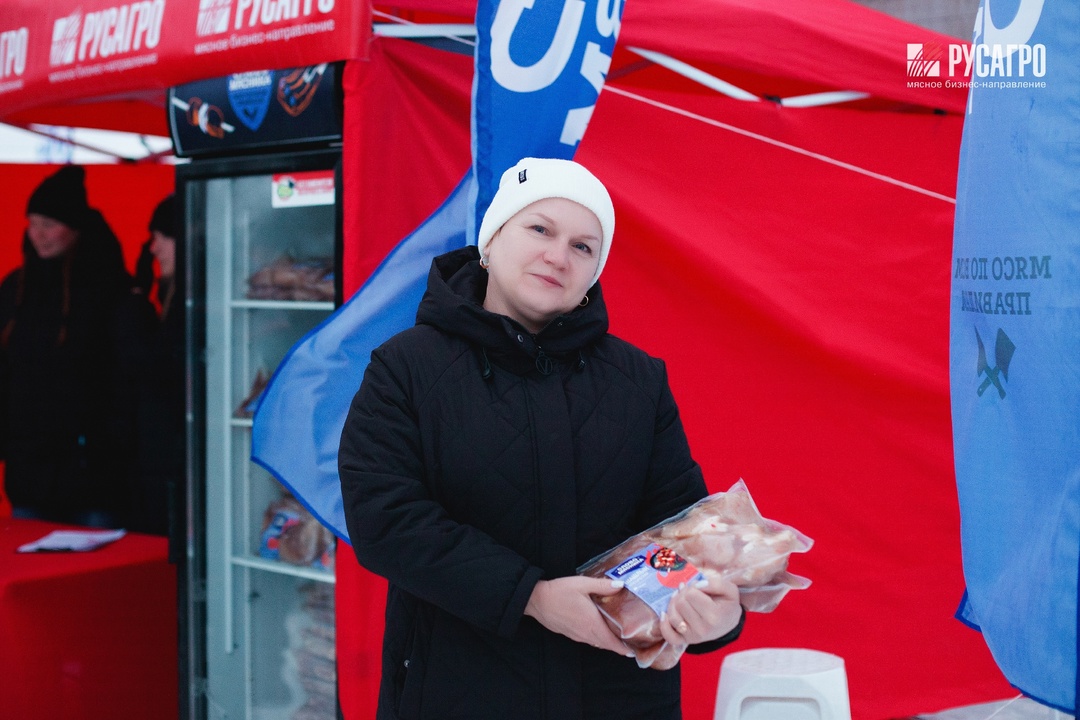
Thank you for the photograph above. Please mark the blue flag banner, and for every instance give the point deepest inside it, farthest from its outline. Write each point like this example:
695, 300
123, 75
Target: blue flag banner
298, 423
538, 73
540, 66
1015, 343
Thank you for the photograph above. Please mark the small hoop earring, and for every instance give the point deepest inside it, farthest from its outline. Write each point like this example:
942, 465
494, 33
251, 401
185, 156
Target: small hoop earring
484, 263
584, 301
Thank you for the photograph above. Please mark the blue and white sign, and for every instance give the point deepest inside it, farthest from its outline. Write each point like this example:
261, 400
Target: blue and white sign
297, 425
1015, 344
249, 96
540, 66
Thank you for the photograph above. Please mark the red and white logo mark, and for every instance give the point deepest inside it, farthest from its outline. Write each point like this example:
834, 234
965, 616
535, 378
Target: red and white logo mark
213, 17
924, 60
64, 38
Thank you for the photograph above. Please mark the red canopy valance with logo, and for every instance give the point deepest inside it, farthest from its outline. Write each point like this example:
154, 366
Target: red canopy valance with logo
59, 60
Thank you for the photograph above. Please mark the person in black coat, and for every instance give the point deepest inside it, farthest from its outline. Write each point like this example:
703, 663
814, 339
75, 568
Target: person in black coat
160, 441
498, 445
72, 330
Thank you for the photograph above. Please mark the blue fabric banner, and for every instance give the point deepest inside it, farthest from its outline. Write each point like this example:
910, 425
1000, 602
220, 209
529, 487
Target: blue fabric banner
298, 423
540, 65
1015, 343
538, 74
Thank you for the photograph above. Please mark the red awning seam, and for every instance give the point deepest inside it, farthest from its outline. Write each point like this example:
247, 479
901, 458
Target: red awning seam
780, 144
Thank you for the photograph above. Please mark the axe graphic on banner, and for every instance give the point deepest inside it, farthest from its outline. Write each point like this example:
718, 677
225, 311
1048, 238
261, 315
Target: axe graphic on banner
1003, 352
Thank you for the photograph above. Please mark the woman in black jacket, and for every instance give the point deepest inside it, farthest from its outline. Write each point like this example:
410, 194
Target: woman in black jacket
496, 446
160, 436
72, 333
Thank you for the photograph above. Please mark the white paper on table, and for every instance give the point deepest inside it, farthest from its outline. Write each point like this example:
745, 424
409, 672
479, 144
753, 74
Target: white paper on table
73, 540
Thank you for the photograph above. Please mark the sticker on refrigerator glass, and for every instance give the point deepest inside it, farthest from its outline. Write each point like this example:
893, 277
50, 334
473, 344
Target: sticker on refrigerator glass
302, 189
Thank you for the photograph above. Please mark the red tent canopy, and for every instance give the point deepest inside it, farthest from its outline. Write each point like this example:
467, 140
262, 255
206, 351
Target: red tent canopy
780, 48
791, 264
106, 64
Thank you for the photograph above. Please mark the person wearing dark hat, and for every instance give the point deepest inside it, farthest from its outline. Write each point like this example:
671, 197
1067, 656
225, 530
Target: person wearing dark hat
160, 427
160, 250
498, 445
71, 335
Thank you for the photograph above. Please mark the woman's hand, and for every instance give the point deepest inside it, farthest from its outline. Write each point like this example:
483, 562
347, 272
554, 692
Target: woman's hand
700, 612
563, 606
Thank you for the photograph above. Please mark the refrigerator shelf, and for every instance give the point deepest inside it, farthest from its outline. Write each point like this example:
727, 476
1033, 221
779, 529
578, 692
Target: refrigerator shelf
281, 568
259, 612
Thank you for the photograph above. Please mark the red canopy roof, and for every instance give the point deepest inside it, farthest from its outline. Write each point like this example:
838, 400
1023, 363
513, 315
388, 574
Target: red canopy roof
782, 48
107, 63
791, 265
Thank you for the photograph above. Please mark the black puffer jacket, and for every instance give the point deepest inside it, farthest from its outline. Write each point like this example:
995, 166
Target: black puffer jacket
72, 336
476, 460
160, 434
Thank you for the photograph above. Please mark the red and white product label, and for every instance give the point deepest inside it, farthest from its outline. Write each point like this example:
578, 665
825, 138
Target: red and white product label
302, 189
654, 575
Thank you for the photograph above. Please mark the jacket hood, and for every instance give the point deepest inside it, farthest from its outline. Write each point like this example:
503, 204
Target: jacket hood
453, 302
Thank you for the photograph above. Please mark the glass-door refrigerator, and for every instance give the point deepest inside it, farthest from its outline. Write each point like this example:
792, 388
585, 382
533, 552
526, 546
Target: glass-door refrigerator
262, 242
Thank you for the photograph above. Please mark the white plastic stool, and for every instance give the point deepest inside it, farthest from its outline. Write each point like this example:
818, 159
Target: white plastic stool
782, 684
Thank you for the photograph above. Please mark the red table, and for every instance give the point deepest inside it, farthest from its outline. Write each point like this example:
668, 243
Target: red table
88, 635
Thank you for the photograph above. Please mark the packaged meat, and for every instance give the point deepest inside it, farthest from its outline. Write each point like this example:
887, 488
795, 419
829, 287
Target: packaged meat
288, 278
722, 536
291, 534
250, 403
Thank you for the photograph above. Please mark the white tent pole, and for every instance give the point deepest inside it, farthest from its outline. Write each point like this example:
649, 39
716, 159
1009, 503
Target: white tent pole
722, 86
73, 143
699, 76
416, 30
401, 28
823, 98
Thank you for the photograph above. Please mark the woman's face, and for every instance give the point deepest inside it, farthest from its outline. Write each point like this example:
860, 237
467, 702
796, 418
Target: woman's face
163, 249
50, 238
541, 262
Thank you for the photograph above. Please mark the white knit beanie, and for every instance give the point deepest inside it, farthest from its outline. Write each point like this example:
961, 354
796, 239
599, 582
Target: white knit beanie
535, 179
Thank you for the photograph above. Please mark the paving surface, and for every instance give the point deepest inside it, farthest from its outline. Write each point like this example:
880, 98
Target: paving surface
1019, 708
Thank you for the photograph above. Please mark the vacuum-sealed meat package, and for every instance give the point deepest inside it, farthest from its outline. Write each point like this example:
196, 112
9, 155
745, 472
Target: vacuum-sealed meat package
720, 537
291, 534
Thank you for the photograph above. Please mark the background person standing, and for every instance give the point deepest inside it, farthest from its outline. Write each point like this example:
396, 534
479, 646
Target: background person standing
160, 446
72, 329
